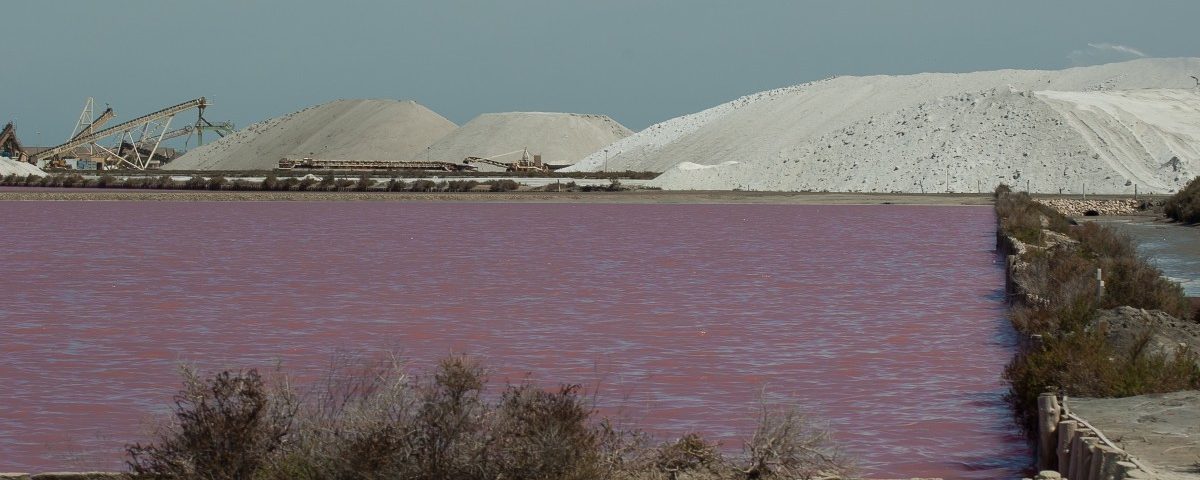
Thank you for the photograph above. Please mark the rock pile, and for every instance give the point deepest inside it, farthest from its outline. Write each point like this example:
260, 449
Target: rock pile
1079, 207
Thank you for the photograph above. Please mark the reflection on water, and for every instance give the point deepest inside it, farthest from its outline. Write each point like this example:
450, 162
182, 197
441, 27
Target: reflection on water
884, 320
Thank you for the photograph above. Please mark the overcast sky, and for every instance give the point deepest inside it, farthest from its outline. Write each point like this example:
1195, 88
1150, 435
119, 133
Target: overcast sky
639, 61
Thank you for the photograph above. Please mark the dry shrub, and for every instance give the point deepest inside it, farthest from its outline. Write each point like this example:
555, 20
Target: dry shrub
540, 434
691, 454
372, 421
787, 445
228, 428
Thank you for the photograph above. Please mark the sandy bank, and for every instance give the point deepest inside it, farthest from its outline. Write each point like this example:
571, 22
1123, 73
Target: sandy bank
1163, 430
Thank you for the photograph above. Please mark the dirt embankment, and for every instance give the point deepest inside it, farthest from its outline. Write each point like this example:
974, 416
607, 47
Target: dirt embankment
638, 196
1161, 430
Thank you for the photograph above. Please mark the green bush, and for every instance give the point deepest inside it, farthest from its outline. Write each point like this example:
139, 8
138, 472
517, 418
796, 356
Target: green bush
307, 183
423, 186
396, 185
461, 185
289, 183
196, 183
1083, 364
1075, 358
328, 182
164, 182
364, 183
503, 185
1184, 206
134, 182
217, 182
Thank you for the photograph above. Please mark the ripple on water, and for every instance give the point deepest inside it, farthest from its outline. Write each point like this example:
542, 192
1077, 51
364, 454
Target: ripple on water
683, 314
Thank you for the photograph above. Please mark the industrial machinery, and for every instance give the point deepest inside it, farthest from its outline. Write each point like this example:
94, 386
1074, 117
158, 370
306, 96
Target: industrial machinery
315, 164
86, 125
9, 145
525, 164
135, 143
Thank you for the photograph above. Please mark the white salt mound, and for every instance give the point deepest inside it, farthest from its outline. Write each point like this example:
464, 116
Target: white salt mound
9, 166
560, 138
1103, 128
338, 130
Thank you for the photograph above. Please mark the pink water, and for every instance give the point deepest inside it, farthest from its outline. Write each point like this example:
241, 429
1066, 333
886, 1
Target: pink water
886, 321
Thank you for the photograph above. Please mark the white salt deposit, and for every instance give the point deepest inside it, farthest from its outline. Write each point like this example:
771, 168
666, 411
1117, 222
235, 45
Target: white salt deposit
9, 166
339, 130
939, 132
560, 138
639, 149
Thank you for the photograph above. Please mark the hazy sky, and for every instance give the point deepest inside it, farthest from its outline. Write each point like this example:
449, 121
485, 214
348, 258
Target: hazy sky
640, 62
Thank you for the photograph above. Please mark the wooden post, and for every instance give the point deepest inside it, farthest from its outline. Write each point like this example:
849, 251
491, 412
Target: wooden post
1095, 457
1108, 465
1127, 470
1066, 432
1099, 284
1048, 417
1080, 461
1076, 446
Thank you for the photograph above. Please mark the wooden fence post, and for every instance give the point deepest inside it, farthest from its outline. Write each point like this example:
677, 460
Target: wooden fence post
1048, 417
1066, 432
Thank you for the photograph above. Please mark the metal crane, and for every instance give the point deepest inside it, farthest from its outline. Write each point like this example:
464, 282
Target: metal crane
153, 126
104, 117
9, 145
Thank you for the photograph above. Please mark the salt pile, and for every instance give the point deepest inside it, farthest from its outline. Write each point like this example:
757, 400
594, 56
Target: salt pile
1104, 129
338, 130
9, 166
560, 138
